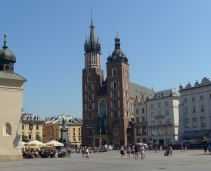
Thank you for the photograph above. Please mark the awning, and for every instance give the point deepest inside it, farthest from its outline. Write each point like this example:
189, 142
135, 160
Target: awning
201, 133
188, 134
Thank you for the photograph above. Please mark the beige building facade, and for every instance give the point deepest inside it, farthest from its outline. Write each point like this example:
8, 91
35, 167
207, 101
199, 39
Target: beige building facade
51, 130
37, 130
11, 104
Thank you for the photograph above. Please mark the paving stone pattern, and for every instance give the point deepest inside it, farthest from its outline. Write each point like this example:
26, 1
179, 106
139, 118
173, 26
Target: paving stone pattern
191, 160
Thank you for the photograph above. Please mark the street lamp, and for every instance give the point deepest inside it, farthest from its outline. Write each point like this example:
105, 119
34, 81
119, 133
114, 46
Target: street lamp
31, 126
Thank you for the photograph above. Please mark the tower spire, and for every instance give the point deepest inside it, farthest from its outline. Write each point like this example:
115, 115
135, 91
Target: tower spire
92, 36
5, 45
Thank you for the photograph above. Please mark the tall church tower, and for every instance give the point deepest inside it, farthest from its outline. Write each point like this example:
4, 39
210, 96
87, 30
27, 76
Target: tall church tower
92, 79
118, 90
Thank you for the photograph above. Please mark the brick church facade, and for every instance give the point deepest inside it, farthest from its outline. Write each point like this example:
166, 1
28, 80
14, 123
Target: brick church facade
107, 102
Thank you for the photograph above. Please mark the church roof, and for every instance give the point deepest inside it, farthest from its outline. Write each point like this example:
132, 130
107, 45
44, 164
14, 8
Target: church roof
138, 90
11, 76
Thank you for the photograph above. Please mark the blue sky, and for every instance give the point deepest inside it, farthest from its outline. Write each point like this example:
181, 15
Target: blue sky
166, 42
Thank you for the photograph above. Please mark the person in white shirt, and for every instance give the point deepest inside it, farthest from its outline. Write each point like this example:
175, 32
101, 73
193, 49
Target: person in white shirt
142, 151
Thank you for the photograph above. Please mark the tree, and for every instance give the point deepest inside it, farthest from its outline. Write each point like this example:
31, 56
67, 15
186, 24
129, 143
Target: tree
38, 138
25, 138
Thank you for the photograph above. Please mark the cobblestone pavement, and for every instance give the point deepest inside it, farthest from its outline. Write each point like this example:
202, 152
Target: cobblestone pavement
191, 160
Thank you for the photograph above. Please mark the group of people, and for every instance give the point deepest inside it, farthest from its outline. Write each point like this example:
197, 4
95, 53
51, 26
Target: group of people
207, 148
32, 153
133, 152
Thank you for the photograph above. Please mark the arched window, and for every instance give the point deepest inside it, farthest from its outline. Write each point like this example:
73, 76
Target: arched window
102, 108
114, 83
94, 58
115, 115
89, 88
89, 107
113, 72
7, 129
89, 97
88, 78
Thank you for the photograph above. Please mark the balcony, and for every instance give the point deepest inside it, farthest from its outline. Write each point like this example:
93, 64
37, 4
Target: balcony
160, 125
159, 117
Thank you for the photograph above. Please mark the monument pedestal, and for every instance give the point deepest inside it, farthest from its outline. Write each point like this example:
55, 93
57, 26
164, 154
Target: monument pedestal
63, 132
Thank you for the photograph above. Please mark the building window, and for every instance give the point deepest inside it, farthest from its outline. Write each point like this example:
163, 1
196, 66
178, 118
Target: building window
142, 110
137, 119
114, 94
202, 108
88, 78
115, 115
37, 127
89, 117
201, 97
186, 110
210, 96
111, 114
152, 106
166, 103
89, 88
153, 122
203, 123
22, 126
79, 129
185, 100
159, 105
125, 94
167, 112
187, 123
114, 84
89, 71
160, 122
194, 122
89, 107
152, 115
73, 129
89, 97
30, 136
143, 119
79, 139
193, 99
159, 113
167, 121
194, 109
127, 114
136, 111
114, 72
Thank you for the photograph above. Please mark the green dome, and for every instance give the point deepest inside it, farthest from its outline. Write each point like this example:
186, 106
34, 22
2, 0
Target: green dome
6, 54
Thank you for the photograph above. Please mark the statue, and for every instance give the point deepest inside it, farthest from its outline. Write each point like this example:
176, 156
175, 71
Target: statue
63, 123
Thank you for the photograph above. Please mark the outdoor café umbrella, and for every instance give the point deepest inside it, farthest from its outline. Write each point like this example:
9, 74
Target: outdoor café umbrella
54, 143
206, 140
194, 141
23, 143
35, 143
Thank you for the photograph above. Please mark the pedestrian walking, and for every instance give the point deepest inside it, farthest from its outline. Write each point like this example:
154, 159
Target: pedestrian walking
136, 152
205, 148
209, 148
122, 152
133, 151
156, 148
142, 151
128, 152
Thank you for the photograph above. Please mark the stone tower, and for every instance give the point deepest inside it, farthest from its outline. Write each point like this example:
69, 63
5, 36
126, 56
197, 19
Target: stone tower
118, 91
11, 99
92, 79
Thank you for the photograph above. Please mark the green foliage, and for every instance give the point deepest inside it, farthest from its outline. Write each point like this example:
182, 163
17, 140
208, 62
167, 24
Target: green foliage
25, 138
38, 138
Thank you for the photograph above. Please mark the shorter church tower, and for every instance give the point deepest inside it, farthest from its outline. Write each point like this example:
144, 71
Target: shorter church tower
11, 99
118, 91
